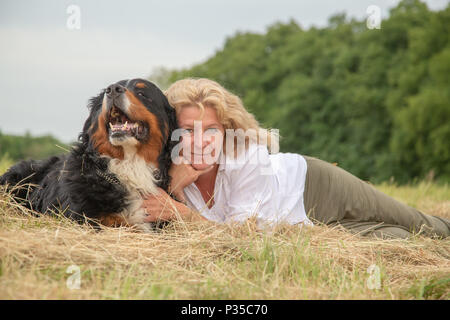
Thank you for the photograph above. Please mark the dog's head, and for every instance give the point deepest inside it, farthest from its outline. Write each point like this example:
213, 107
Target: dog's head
130, 114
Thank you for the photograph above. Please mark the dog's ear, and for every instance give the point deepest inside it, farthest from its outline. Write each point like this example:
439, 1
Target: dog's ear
172, 122
164, 159
90, 125
171, 114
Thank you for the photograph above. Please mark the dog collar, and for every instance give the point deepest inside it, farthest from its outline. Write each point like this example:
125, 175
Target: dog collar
108, 177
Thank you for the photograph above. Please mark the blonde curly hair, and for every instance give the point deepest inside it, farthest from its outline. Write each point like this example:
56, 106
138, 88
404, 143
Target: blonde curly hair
230, 110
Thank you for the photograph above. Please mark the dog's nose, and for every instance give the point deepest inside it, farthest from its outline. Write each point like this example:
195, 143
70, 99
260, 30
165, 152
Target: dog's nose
114, 90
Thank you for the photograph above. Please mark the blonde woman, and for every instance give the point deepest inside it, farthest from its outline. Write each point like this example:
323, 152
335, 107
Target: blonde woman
223, 172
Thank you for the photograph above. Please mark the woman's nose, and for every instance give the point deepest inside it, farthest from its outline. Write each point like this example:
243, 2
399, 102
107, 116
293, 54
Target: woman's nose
200, 142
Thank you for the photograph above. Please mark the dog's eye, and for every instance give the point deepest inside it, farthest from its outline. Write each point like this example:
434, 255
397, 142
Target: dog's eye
143, 96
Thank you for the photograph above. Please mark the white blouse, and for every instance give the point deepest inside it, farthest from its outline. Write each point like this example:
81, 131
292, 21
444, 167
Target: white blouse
255, 184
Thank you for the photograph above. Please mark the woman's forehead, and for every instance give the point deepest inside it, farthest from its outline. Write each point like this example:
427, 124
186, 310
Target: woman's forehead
191, 113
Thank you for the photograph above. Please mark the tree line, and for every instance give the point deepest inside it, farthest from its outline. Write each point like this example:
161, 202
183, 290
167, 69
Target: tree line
16, 147
376, 101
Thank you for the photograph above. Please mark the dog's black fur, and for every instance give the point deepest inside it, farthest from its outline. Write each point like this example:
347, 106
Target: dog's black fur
79, 183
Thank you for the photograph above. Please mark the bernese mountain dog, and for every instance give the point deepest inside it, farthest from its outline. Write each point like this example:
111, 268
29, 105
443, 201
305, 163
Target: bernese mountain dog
122, 156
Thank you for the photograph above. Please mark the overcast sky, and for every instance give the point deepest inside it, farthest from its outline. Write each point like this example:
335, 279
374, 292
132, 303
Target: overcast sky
48, 71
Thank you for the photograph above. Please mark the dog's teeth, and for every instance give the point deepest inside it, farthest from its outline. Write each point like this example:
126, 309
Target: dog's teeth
125, 125
111, 126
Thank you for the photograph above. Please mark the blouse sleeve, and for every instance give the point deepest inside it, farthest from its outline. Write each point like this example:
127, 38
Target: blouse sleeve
253, 188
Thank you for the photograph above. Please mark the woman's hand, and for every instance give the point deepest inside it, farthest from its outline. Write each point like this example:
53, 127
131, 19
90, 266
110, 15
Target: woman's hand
161, 207
183, 174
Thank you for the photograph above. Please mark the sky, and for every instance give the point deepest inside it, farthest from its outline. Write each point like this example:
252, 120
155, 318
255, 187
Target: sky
51, 63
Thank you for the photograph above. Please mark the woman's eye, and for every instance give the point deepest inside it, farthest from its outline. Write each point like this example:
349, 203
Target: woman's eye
211, 131
187, 131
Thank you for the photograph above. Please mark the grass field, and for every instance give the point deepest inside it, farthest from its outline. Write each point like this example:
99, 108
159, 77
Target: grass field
42, 258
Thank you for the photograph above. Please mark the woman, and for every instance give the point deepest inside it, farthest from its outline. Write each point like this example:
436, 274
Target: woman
224, 173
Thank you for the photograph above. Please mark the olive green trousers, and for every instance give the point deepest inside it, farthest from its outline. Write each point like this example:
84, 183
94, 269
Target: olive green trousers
333, 196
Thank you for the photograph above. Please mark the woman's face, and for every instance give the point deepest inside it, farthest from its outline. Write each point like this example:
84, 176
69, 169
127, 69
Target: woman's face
202, 138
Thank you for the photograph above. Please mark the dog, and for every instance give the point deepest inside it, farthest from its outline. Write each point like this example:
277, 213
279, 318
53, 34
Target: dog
122, 156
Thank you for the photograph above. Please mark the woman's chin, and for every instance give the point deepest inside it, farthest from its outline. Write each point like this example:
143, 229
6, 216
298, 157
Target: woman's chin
202, 163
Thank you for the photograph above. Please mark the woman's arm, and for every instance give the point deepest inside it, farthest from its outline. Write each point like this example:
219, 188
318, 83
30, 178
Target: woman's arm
161, 207
183, 175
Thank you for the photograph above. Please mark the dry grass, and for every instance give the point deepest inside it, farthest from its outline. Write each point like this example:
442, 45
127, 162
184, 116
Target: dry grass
207, 261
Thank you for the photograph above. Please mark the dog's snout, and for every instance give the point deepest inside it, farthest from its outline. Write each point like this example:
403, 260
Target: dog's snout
114, 90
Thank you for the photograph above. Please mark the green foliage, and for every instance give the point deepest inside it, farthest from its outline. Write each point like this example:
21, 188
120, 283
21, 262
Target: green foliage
377, 102
5, 163
15, 148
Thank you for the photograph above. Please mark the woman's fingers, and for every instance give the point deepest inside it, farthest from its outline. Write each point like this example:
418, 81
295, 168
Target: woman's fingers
185, 174
182, 175
177, 161
203, 171
158, 207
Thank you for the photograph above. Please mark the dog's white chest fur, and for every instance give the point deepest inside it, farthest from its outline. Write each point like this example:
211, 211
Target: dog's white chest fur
139, 179
135, 174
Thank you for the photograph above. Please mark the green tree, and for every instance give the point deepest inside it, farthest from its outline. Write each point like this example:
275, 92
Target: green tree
375, 101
